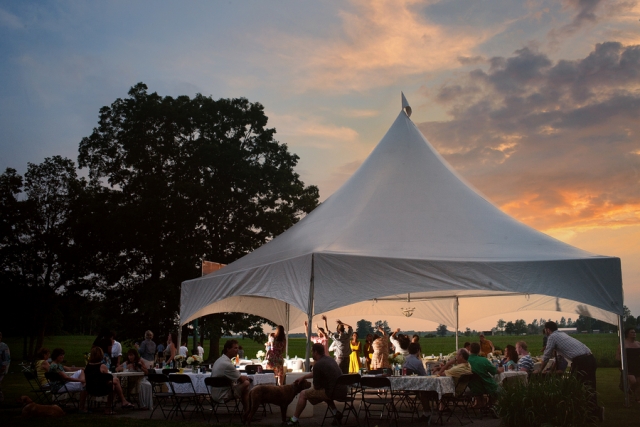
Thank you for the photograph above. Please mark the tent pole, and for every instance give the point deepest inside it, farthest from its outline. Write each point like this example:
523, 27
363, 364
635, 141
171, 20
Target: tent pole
623, 360
307, 354
288, 327
457, 321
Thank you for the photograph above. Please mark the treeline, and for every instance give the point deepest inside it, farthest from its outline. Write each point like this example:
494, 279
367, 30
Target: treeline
160, 185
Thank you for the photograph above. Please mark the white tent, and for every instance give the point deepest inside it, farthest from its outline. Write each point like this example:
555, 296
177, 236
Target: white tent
406, 235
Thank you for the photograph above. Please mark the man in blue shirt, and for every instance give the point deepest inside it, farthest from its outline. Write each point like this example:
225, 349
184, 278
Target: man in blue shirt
414, 363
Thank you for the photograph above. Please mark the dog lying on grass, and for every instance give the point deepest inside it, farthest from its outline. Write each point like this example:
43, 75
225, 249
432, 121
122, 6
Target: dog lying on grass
34, 410
275, 395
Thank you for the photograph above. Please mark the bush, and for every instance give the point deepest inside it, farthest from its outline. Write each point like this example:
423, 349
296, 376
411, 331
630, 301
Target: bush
546, 400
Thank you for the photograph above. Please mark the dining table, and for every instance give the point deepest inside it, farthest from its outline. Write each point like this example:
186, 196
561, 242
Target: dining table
441, 385
198, 381
521, 375
145, 393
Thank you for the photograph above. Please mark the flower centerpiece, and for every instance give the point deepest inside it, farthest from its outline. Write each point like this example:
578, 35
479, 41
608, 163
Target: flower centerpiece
194, 361
178, 359
396, 359
260, 355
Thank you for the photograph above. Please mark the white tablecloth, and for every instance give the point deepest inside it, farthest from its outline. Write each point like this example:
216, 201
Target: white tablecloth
522, 376
198, 382
145, 394
440, 385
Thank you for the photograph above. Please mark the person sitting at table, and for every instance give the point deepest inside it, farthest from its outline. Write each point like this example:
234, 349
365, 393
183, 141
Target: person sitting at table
380, 357
525, 362
486, 346
325, 374
413, 362
460, 366
321, 338
74, 382
632, 348
41, 365
133, 363
400, 342
148, 349
484, 384
224, 367
354, 357
96, 383
368, 350
510, 360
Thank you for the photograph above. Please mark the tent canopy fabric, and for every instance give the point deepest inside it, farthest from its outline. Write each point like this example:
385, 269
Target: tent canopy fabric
404, 230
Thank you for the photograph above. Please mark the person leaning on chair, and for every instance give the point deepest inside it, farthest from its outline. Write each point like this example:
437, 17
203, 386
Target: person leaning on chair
224, 367
325, 374
583, 364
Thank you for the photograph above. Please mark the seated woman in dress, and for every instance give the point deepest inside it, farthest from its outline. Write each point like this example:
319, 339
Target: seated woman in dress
133, 363
73, 382
510, 360
632, 348
102, 385
41, 365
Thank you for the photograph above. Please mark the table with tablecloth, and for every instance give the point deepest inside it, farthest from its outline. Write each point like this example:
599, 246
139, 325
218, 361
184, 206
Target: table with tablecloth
145, 394
198, 382
441, 385
521, 375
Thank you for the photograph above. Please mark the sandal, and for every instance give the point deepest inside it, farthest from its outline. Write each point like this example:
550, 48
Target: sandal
128, 406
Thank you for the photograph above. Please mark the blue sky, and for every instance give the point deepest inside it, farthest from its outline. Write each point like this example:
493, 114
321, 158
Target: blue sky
535, 103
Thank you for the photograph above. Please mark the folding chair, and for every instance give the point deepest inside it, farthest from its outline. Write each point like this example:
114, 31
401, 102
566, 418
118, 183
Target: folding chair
96, 389
228, 397
168, 371
158, 383
62, 396
408, 400
352, 382
41, 392
457, 400
184, 392
378, 393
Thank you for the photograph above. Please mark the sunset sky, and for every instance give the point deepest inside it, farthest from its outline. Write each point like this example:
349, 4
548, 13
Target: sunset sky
535, 103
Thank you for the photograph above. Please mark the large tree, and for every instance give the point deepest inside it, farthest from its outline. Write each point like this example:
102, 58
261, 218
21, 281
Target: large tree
41, 257
186, 180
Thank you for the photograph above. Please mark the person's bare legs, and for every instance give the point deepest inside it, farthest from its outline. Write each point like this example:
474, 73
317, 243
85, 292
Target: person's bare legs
118, 389
302, 402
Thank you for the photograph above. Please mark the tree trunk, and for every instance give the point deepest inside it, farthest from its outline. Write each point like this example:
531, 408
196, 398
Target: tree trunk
214, 346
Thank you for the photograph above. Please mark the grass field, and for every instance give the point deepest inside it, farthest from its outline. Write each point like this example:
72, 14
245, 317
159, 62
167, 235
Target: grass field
14, 384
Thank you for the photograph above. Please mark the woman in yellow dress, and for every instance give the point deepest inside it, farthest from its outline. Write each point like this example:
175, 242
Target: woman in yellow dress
354, 358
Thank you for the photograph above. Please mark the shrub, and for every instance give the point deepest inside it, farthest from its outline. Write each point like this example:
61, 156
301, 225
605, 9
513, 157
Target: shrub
546, 400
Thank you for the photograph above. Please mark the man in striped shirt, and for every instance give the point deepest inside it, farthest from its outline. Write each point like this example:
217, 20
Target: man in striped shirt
583, 364
525, 362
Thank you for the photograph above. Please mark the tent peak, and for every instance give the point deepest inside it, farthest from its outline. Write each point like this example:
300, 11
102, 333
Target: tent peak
405, 105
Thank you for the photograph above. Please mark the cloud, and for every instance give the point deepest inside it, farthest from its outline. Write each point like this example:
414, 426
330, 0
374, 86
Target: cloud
9, 20
552, 143
311, 131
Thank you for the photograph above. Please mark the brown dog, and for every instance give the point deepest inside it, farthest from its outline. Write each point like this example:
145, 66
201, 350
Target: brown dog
34, 410
276, 395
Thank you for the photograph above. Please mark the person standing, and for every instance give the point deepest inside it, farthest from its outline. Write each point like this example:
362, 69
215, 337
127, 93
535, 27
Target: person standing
148, 349
342, 336
380, 356
354, 357
583, 364
116, 351
170, 349
486, 346
321, 338
368, 349
5, 360
201, 351
184, 351
632, 347
275, 359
